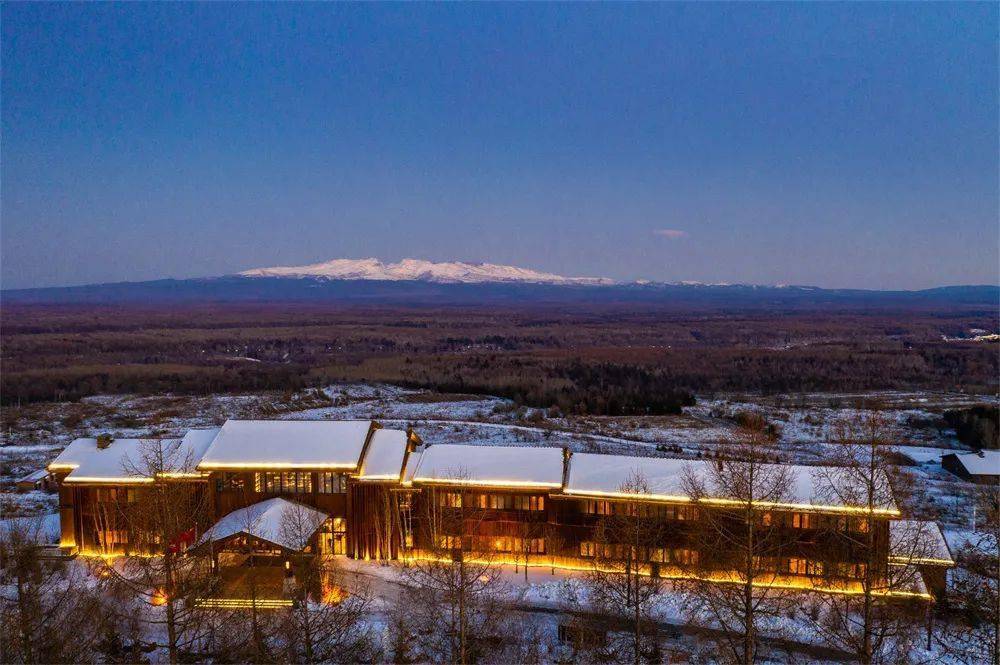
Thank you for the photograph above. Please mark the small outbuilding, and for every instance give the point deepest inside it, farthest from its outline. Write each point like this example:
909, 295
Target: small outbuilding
36, 480
982, 467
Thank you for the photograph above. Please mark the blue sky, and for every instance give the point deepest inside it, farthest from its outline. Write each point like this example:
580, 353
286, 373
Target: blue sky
830, 144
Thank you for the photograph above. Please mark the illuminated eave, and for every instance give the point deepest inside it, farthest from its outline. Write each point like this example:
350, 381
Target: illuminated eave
272, 466
673, 498
920, 561
94, 480
498, 484
392, 477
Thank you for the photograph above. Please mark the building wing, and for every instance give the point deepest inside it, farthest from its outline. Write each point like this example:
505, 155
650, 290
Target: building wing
492, 466
614, 476
287, 444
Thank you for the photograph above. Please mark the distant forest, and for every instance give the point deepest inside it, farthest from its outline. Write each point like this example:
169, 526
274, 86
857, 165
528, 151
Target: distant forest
598, 359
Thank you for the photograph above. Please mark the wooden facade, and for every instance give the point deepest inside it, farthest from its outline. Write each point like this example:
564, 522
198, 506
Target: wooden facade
391, 519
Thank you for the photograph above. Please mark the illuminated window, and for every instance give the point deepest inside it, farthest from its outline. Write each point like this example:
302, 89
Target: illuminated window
684, 557
500, 502
597, 507
287, 482
797, 566
522, 502
658, 554
765, 518
861, 525
450, 499
449, 542
803, 521
588, 549
329, 482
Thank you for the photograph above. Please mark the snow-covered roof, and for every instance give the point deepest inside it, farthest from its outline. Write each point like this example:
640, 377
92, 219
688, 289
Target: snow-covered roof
983, 463
34, 476
412, 463
196, 443
289, 444
501, 466
285, 523
918, 542
123, 460
609, 475
385, 455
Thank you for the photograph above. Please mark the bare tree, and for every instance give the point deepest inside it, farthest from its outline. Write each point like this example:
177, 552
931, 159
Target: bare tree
158, 518
864, 623
737, 539
972, 633
525, 546
629, 542
554, 544
456, 572
324, 623
47, 614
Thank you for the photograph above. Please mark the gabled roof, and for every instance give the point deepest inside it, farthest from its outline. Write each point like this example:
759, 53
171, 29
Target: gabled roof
918, 542
606, 476
983, 463
34, 476
122, 461
287, 444
385, 455
285, 523
496, 466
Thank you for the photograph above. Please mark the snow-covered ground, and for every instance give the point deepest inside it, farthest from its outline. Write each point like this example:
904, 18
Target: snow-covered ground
804, 422
37, 433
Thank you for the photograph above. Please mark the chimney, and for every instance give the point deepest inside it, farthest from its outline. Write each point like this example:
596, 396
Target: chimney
103, 441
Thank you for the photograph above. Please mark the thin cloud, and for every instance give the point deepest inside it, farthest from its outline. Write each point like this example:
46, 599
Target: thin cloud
673, 234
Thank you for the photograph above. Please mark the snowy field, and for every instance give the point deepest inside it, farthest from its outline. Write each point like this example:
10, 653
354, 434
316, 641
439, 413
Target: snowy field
35, 434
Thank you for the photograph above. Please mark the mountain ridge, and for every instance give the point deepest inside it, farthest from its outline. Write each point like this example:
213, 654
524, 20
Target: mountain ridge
449, 272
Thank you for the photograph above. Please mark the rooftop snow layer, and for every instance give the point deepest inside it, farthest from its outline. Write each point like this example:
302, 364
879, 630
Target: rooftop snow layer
34, 476
386, 452
197, 441
279, 521
983, 463
122, 461
606, 475
918, 542
502, 466
289, 444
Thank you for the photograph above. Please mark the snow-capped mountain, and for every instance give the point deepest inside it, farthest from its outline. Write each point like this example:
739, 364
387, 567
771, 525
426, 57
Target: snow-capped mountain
417, 270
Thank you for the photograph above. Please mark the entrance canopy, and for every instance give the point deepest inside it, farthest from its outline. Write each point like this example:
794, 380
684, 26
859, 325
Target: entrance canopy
284, 523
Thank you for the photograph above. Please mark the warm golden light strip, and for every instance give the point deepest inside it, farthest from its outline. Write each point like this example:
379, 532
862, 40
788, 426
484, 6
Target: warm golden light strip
920, 561
243, 603
675, 574
124, 480
264, 466
501, 484
91, 554
731, 502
